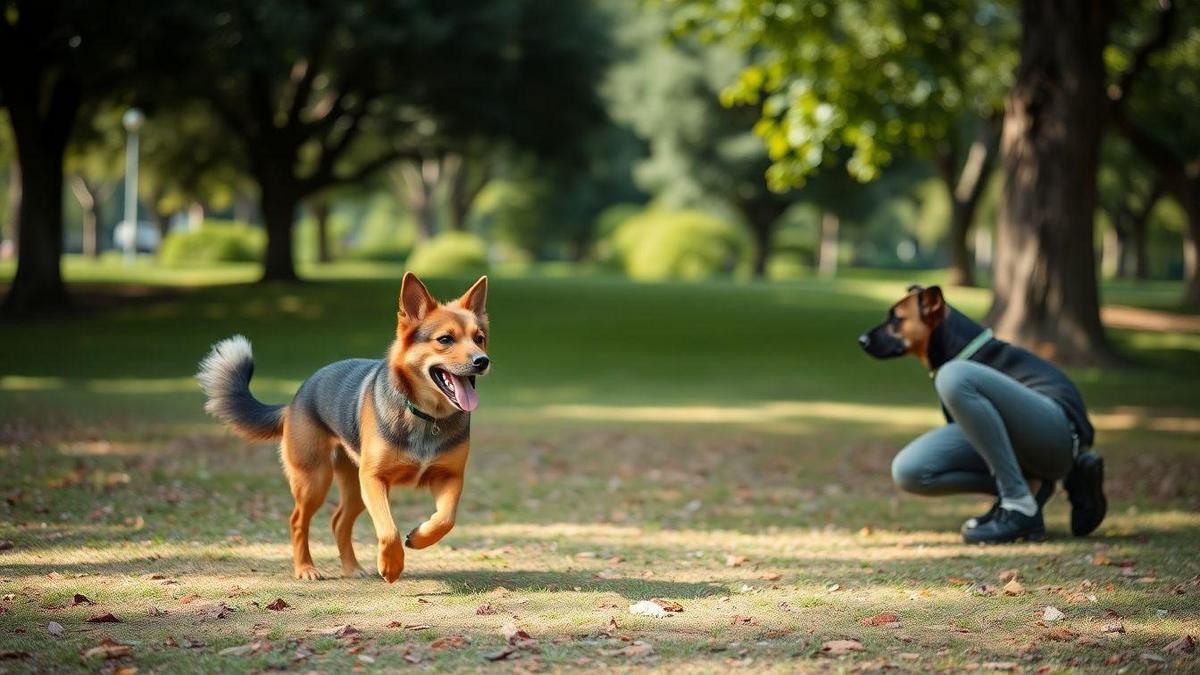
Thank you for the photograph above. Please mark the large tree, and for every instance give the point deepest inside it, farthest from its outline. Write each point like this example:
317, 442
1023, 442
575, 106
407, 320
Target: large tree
326, 92
857, 83
1154, 102
55, 57
700, 151
1045, 291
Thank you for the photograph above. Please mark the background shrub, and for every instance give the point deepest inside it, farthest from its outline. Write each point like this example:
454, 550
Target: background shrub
450, 254
657, 244
215, 241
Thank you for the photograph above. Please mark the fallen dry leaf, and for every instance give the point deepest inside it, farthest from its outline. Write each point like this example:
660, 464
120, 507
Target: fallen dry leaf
742, 620
840, 647
55, 576
486, 609
215, 610
1113, 628
455, 641
1052, 614
1113, 660
278, 605
771, 576
732, 560
1014, 587
669, 605
188, 599
885, 619
80, 599
344, 630
1008, 575
1184, 645
54, 628
107, 617
108, 649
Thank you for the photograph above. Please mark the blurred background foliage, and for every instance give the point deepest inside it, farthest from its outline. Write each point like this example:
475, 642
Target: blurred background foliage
662, 139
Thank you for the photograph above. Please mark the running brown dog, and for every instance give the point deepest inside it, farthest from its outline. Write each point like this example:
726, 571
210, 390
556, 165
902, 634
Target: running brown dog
371, 424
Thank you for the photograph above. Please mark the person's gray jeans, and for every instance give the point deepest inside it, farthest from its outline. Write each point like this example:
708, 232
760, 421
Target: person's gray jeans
1002, 432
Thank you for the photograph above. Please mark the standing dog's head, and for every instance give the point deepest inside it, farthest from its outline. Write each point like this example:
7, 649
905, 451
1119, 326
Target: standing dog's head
908, 325
441, 347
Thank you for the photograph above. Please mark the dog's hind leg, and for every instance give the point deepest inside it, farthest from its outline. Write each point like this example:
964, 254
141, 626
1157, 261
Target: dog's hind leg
306, 454
345, 471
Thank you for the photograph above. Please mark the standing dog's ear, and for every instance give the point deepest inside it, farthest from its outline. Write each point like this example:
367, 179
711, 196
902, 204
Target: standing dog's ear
931, 302
415, 300
475, 299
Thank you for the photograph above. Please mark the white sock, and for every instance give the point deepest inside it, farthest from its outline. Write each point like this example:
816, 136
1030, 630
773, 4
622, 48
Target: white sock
1026, 505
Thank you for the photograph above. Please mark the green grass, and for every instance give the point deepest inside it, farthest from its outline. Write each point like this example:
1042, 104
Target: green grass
631, 439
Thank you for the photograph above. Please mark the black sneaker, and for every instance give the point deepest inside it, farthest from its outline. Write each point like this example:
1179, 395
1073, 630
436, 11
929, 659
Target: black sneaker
1007, 526
1043, 495
1085, 490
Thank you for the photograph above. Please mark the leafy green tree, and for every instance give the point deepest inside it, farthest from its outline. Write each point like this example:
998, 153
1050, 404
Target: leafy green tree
1154, 99
56, 58
857, 83
1128, 192
95, 167
700, 151
875, 77
325, 93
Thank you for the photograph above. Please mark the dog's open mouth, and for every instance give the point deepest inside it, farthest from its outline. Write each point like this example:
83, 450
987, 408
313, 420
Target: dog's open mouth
459, 390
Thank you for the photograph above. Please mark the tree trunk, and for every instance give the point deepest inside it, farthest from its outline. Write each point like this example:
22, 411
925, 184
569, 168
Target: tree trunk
827, 257
162, 223
966, 186
762, 214
41, 139
416, 181
88, 203
464, 183
320, 209
1045, 290
279, 212
14, 203
1191, 241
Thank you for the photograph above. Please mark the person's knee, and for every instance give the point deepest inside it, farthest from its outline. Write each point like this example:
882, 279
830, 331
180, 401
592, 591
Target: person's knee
909, 475
954, 380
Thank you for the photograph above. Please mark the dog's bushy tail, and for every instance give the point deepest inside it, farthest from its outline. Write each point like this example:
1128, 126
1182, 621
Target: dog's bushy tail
225, 377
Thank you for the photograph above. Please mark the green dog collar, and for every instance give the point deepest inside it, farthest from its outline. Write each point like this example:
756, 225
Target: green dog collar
423, 415
972, 347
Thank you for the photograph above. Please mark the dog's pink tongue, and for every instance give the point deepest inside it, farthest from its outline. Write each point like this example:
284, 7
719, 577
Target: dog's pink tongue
465, 394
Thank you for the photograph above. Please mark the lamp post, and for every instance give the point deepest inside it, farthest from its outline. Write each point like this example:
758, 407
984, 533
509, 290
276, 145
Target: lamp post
132, 120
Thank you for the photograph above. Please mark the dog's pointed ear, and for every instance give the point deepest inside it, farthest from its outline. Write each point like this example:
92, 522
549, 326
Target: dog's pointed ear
932, 302
475, 299
415, 300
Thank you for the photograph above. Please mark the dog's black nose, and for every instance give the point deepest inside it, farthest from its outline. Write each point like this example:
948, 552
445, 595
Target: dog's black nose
481, 362
864, 340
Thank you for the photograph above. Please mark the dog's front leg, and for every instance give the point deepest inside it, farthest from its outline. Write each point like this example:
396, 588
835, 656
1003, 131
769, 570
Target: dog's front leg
446, 492
390, 560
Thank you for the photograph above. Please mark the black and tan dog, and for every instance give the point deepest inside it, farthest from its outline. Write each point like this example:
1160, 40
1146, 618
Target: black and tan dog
371, 424
1016, 413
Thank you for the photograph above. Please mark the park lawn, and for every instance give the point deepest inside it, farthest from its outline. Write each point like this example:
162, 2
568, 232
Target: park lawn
722, 445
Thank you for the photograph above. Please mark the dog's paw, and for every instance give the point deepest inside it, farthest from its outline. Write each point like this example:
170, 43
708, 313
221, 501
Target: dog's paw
308, 573
390, 561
